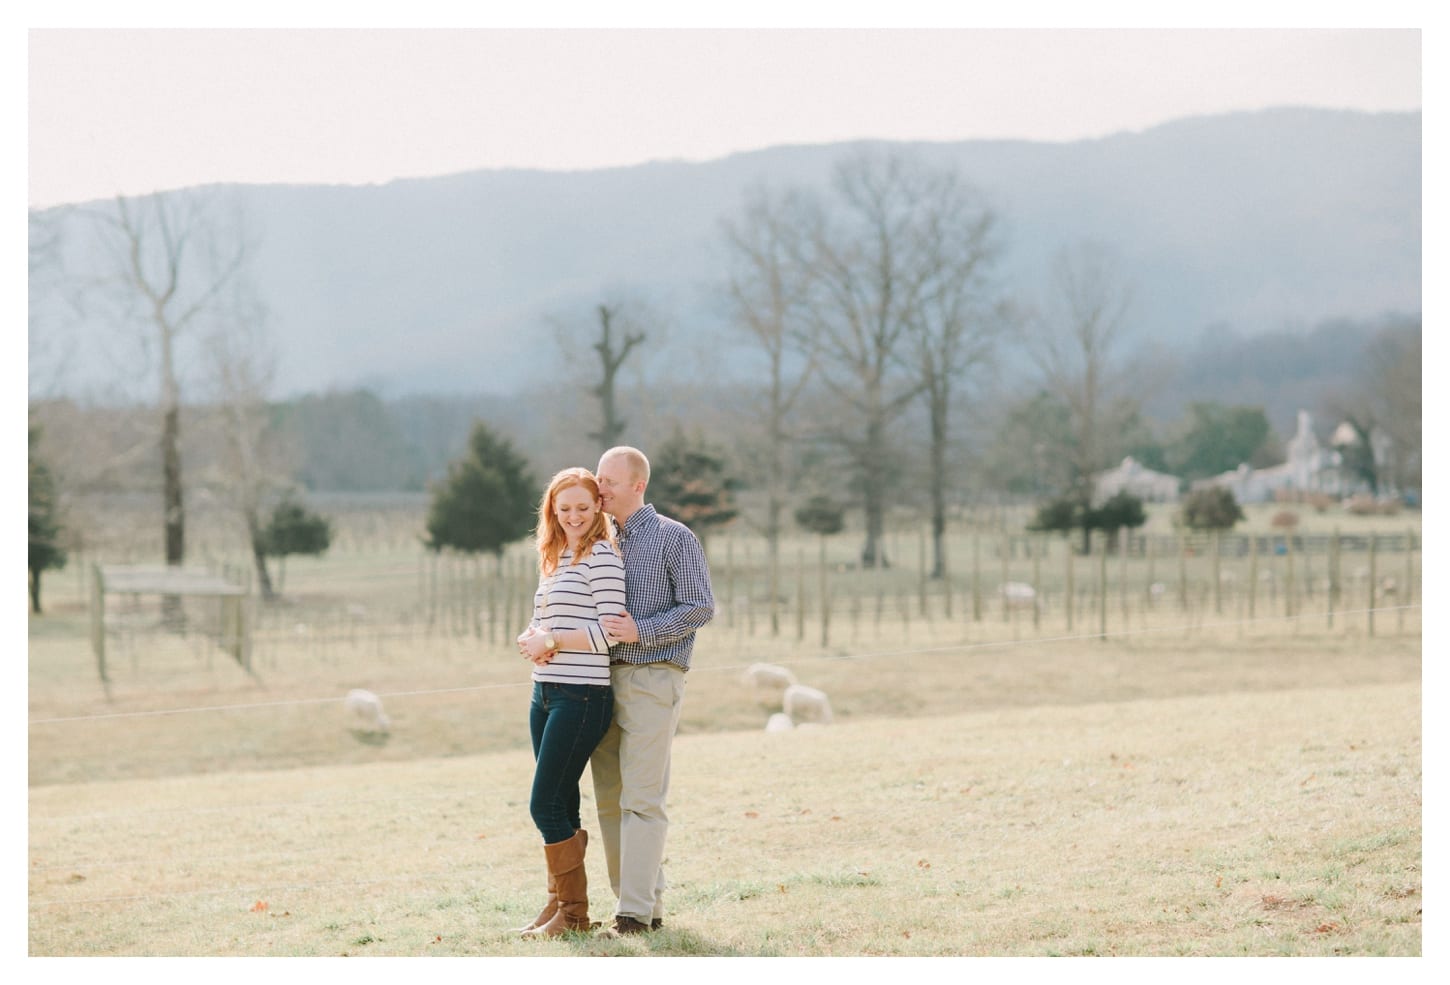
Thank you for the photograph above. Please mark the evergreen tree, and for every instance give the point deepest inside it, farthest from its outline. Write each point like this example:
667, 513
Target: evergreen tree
45, 528
1120, 510
488, 500
1219, 439
294, 529
1071, 512
688, 483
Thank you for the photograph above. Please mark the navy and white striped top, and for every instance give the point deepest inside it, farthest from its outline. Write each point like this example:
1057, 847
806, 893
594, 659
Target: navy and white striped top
574, 597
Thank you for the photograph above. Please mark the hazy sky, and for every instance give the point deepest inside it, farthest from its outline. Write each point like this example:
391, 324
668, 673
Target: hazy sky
133, 111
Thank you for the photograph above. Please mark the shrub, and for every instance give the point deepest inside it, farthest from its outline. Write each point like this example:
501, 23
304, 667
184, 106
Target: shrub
1211, 509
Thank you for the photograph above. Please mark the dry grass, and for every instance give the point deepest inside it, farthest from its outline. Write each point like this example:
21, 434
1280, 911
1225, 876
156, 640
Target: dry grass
1246, 824
1188, 787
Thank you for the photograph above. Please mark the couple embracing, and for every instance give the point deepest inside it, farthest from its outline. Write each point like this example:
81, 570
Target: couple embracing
622, 591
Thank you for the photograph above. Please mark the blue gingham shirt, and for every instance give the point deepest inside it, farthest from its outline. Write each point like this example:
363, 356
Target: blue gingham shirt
666, 589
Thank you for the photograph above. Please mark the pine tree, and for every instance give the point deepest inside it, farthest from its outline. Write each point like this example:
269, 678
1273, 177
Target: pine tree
688, 483
294, 529
45, 528
488, 500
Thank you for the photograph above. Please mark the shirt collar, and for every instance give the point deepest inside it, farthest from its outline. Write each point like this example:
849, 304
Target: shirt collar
636, 520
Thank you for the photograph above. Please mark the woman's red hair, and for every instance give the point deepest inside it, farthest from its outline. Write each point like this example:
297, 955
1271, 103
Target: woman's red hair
549, 535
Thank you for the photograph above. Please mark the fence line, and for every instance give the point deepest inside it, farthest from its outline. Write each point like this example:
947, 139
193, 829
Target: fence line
794, 661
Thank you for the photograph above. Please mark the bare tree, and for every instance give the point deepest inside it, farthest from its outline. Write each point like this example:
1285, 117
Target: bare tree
169, 261
1383, 408
764, 293
956, 320
611, 426
1076, 348
242, 363
871, 271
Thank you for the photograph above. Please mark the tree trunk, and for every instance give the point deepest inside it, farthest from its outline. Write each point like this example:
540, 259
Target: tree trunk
172, 613
35, 590
938, 484
611, 428
873, 474
259, 556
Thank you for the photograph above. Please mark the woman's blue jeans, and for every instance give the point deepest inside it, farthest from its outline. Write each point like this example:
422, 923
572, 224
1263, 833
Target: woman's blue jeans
566, 722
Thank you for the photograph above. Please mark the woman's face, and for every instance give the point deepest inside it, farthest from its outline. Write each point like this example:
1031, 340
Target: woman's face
575, 509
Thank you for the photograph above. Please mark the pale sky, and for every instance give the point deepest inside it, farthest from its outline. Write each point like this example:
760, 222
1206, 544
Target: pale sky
135, 111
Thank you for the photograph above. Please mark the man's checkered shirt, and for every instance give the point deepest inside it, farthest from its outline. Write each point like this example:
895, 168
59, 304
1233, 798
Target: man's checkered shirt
666, 589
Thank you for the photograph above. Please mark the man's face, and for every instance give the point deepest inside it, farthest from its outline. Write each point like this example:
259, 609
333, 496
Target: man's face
617, 486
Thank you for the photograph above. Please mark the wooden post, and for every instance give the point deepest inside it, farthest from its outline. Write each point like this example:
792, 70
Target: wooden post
1037, 552
921, 569
1070, 590
729, 582
1289, 574
1253, 572
1372, 577
976, 577
1103, 590
1005, 550
1408, 592
800, 594
825, 598
1183, 571
1217, 575
1333, 576
98, 620
1151, 549
1123, 572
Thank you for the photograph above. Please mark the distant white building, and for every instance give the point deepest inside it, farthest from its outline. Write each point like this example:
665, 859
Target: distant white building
1136, 479
1310, 468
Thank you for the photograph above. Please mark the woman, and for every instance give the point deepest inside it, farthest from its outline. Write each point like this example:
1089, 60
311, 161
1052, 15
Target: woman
581, 578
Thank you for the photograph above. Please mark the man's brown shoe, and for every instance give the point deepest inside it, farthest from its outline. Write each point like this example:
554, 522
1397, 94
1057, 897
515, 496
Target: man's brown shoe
629, 925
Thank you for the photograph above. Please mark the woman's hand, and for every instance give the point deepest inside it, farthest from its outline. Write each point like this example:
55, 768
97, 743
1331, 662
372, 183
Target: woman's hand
531, 645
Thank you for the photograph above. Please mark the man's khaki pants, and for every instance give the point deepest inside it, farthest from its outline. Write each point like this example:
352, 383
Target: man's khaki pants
631, 772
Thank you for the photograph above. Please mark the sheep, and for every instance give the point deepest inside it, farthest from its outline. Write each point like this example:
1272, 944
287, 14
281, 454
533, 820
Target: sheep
367, 712
1018, 595
806, 704
779, 722
768, 676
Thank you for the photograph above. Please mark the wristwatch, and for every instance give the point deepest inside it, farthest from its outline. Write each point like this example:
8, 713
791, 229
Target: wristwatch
549, 643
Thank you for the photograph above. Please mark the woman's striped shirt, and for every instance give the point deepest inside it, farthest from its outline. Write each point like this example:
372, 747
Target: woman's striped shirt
574, 597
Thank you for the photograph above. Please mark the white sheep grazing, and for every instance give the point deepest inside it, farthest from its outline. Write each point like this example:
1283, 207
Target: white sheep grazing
367, 710
806, 704
768, 677
1018, 594
779, 722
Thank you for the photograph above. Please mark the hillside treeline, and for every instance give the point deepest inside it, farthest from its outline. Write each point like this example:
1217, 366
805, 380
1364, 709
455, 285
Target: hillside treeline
892, 364
361, 441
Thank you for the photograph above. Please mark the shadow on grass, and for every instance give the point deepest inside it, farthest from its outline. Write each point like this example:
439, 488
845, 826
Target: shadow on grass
667, 942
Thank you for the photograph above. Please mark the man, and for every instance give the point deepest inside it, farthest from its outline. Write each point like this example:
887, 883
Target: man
667, 598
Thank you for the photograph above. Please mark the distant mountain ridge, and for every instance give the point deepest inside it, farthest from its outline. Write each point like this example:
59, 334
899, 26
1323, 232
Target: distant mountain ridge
1253, 221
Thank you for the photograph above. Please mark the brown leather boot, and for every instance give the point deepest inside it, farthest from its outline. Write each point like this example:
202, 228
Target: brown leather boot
571, 886
551, 905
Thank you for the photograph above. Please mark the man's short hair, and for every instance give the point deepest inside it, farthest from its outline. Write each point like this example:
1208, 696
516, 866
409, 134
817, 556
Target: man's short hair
638, 463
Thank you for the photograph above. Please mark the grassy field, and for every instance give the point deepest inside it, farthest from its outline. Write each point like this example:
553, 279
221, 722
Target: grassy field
1205, 786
